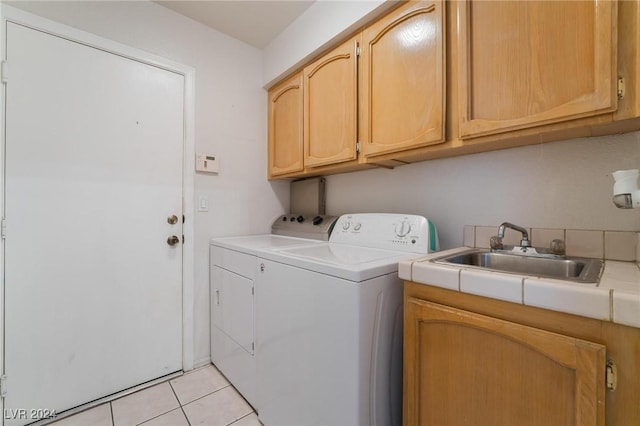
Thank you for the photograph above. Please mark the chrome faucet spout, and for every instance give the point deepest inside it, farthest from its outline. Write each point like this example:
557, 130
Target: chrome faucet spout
525, 234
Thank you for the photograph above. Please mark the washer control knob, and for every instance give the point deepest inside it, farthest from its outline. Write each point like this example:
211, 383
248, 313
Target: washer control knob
300, 219
357, 226
318, 220
284, 218
403, 228
292, 219
346, 225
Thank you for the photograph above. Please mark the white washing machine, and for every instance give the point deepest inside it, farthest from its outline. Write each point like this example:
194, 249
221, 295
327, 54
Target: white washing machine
329, 323
233, 268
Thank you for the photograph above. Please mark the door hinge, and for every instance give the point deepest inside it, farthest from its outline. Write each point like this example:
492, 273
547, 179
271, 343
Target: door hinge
611, 379
3, 386
621, 88
253, 291
4, 71
183, 239
358, 50
253, 347
357, 147
3, 228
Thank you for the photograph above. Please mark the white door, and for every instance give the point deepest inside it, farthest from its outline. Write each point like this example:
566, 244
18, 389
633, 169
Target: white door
93, 291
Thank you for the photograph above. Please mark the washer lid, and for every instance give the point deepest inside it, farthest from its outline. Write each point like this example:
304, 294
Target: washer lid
339, 254
253, 243
341, 260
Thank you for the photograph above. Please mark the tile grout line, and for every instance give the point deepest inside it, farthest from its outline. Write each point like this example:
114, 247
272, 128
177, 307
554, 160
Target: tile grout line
238, 419
160, 415
180, 403
204, 396
166, 412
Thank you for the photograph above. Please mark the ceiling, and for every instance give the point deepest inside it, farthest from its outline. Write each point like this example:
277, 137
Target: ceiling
251, 21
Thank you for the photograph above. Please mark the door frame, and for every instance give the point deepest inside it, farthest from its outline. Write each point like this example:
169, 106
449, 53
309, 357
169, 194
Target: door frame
11, 14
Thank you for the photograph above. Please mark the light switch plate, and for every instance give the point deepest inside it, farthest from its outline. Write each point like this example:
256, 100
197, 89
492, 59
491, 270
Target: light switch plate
203, 203
207, 163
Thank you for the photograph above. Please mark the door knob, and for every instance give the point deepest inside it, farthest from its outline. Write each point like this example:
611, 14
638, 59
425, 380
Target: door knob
172, 220
173, 240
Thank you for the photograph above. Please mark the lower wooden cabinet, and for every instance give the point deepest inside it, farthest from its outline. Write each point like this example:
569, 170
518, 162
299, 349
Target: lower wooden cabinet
464, 365
470, 369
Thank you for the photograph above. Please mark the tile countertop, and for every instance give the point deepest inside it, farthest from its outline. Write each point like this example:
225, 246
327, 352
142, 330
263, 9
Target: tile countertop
615, 298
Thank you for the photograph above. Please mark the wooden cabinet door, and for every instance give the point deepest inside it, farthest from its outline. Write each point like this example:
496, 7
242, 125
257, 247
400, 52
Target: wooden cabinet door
285, 127
402, 84
527, 63
463, 368
330, 126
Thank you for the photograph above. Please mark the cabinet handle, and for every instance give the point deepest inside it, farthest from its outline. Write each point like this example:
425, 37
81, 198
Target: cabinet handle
217, 297
262, 267
611, 379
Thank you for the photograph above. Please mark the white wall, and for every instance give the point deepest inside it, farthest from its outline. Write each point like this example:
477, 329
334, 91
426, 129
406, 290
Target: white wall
230, 119
555, 185
322, 22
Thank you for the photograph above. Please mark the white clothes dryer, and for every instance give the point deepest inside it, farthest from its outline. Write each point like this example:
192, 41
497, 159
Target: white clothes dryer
233, 269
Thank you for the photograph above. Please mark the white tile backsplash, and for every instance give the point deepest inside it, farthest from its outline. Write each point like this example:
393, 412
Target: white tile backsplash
599, 244
619, 245
469, 236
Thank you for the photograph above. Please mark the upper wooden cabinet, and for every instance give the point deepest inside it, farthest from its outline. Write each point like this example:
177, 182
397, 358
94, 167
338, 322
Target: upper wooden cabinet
436, 79
285, 127
402, 87
527, 63
330, 106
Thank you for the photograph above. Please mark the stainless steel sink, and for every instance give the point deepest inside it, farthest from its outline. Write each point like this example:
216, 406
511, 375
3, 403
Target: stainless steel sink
559, 267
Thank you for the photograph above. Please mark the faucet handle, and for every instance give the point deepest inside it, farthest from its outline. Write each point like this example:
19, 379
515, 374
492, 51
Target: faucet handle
558, 247
496, 243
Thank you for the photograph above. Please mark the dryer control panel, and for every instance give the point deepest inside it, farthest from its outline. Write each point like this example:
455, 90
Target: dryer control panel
391, 231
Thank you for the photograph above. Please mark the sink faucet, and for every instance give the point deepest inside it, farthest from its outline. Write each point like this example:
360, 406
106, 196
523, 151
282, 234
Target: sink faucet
525, 235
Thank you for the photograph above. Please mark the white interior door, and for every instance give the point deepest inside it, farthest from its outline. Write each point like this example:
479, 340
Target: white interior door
94, 154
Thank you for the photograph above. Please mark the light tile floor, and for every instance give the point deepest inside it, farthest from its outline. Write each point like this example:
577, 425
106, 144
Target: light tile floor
199, 397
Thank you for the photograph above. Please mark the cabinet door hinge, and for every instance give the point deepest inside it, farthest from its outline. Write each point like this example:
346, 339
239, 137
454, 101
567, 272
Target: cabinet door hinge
3, 228
621, 88
357, 147
3, 386
611, 379
358, 51
4, 71
253, 347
